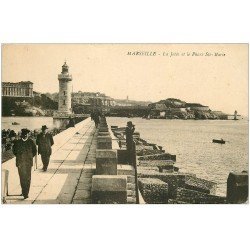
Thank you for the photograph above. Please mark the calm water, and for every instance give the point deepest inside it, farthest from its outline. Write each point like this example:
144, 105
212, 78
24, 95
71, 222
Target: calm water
26, 122
191, 141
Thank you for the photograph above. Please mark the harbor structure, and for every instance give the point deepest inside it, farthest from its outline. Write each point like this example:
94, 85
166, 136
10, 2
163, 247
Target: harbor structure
65, 89
62, 116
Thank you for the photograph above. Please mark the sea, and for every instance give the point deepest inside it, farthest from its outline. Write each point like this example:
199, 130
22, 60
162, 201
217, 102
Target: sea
189, 140
29, 122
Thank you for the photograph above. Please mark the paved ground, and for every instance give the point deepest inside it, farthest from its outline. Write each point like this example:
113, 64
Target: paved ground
68, 179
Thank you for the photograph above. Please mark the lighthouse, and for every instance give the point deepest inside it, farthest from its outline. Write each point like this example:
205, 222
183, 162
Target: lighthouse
65, 87
62, 117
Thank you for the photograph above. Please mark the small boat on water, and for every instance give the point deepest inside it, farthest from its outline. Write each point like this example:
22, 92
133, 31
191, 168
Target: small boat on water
221, 141
15, 123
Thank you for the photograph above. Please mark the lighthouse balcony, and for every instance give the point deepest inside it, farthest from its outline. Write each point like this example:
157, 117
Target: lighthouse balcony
65, 77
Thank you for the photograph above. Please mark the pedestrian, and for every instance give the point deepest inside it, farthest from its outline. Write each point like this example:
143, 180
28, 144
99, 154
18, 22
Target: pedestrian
92, 115
45, 141
24, 149
71, 123
130, 129
96, 119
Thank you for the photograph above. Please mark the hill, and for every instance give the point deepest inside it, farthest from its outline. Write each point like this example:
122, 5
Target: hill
28, 106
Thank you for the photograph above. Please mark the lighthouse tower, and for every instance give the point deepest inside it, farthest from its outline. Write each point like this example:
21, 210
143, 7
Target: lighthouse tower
61, 118
65, 87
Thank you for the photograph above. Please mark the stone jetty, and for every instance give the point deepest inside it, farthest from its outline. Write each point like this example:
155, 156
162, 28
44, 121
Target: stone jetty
91, 165
83, 169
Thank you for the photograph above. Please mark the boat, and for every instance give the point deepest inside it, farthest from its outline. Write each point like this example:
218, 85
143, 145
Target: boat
221, 141
15, 123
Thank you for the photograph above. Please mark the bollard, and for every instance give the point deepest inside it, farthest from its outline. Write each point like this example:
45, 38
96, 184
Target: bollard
109, 189
106, 162
237, 187
104, 142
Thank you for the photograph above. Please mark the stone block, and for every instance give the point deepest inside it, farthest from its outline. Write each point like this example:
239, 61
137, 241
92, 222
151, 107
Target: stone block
122, 156
131, 200
194, 197
131, 186
103, 129
154, 191
103, 133
109, 189
131, 179
237, 187
159, 156
125, 170
104, 142
131, 193
81, 201
174, 180
201, 185
106, 162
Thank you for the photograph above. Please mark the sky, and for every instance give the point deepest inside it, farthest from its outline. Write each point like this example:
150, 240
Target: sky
193, 73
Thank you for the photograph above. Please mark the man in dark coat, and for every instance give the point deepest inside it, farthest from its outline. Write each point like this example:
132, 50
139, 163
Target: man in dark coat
44, 141
130, 129
24, 149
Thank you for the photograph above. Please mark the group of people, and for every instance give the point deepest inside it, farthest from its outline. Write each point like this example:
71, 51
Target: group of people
25, 150
10, 136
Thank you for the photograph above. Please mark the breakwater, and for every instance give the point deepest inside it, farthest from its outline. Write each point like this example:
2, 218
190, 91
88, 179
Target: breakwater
191, 142
160, 181
94, 165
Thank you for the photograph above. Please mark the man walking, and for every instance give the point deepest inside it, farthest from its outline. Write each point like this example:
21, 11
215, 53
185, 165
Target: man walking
44, 141
24, 149
96, 119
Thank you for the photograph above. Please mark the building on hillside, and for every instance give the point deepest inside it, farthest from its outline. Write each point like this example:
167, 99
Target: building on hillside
160, 107
18, 89
200, 108
129, 111
127, 102
92, 98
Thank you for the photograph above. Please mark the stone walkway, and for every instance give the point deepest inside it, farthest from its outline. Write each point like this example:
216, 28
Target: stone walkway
68, 179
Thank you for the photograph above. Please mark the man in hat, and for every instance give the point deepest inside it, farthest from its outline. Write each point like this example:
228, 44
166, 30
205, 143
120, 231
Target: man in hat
24, 149
130, 129
44, 141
